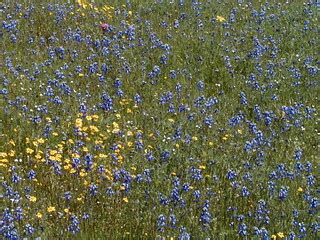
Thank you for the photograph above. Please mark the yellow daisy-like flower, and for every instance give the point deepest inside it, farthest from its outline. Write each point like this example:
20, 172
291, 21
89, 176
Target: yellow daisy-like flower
78, 122
280, 234
3, 154
29, 151
51, 209
225, 137
4, 160
39, 215
220, 19
11, 153
125, 200
67, 167
32, 199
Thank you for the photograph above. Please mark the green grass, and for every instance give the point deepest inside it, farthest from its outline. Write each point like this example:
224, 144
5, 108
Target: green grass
197, 53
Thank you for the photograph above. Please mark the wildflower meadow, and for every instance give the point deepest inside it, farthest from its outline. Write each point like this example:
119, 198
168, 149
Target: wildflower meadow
180, 119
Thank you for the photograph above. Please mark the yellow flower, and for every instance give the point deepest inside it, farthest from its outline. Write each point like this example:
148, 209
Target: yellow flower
4, 160
3, 154
300, 189
280, 234
11, 153
66, 210
95, 117
116, 130
93, 129
78, 122
125, 200
48, 119
85, 149
52, 158
53, 152
33, 199
202, 167
67, 167
225, 137
51, 209
75, 155
220, 19
39, 215
29, 151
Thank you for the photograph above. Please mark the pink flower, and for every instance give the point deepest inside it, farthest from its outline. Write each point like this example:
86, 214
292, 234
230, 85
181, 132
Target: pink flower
104, 26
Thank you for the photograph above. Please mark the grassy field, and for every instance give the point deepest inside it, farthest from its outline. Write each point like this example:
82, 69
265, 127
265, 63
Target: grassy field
159, 120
